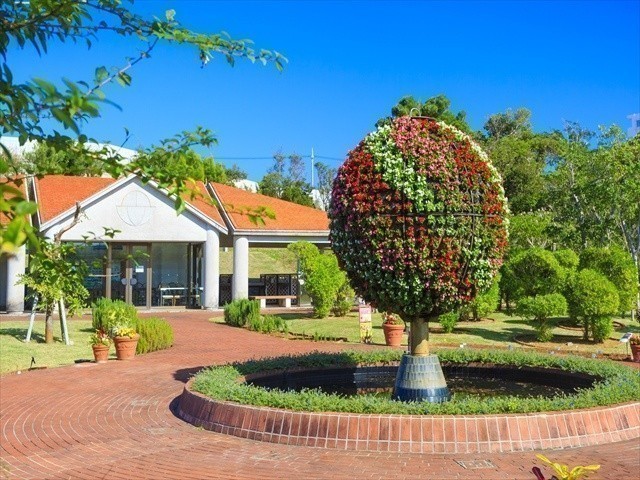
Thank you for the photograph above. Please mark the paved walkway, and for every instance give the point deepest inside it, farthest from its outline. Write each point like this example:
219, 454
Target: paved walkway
114, 421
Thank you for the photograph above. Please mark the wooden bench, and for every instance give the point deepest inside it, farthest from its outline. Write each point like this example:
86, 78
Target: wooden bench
283, 300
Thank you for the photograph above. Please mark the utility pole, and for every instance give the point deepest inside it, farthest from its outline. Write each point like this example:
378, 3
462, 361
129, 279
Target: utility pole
312, 166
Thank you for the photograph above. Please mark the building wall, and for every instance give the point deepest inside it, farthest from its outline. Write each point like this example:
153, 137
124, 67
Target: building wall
140, 213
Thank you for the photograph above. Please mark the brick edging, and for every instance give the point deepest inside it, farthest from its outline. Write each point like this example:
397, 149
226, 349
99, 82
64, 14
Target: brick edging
414, 433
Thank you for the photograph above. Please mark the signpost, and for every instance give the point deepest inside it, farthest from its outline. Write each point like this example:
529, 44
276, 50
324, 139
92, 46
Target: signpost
366, 329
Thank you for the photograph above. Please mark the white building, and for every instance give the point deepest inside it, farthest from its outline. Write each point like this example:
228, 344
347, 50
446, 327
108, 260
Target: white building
635, 125
159, 258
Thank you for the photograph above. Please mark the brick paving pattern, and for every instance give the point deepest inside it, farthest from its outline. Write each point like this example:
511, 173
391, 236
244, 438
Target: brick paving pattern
115, 421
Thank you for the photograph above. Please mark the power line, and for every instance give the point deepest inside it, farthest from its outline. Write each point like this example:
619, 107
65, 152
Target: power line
334, 159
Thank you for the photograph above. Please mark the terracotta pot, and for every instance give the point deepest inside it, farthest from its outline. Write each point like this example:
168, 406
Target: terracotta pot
393, 334
635, 352
126, 347
100, 353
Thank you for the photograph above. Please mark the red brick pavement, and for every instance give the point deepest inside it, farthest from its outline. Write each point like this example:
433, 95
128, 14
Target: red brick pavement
91, 421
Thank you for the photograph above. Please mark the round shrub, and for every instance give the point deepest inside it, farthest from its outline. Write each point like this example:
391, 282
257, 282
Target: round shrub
618, 267
593, 299
533, 272
567, 259
448, 321
540, 309
418, 218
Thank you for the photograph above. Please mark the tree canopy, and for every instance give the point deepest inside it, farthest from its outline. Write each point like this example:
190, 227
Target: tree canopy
54, 112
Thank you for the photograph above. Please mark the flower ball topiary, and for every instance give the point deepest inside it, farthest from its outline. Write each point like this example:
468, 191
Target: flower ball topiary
418, 218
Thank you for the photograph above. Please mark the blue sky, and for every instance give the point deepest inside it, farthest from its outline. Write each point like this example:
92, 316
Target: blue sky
350, 62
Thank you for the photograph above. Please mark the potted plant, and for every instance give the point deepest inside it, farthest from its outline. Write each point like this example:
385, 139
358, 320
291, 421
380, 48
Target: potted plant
393, 328
100, 343
634, 341
125, 339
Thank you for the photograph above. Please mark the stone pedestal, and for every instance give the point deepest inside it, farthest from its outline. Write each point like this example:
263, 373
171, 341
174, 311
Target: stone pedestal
420, 379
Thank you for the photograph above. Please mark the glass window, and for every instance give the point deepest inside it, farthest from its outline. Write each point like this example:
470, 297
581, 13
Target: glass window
95, 256
170, 263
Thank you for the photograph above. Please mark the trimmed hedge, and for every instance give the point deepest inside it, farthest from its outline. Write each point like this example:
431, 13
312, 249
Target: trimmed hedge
155, 334
620, 384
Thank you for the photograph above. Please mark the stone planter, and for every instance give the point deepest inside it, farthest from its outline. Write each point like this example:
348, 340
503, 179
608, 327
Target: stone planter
126, 347
635, 352
393, 334
100, 353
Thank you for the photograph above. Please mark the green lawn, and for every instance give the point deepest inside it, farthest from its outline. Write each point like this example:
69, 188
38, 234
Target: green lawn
500, 331
15, 355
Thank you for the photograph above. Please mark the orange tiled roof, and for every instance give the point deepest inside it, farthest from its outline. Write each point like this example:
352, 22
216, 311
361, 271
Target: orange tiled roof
58, 193
20, 184
205, 203
289, 216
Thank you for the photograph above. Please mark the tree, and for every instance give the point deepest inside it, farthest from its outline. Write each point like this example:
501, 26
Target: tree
287, 184
435, 107
417, 221
55, 274
234, 173
47, 160
540, 309
325, 283
531, 273
593, 300
186, 164
509, 123
618, 267
485, 302
39, 109
325, 176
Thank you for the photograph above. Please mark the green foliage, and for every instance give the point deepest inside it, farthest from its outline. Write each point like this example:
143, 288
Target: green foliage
287, 185
435, 107
448, 321
567, 259
54, 273
530, 229
110, 314
46, 159
593, 300
618, 267
532, 272
484, 304
268, 324
322, 276
39, 109
185, 163
539, 309
344, 300
616, 384
155, 334
242, 312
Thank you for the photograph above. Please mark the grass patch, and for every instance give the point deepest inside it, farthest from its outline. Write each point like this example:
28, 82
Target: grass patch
499, 332
16, 355
620, 384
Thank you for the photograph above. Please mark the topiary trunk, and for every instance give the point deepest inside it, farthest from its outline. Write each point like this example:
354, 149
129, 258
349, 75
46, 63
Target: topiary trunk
419, 335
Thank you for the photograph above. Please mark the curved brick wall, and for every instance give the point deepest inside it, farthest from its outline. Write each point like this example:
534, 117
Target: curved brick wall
412, 433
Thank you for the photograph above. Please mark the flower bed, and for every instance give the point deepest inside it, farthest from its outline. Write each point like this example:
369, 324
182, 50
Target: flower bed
619, 384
